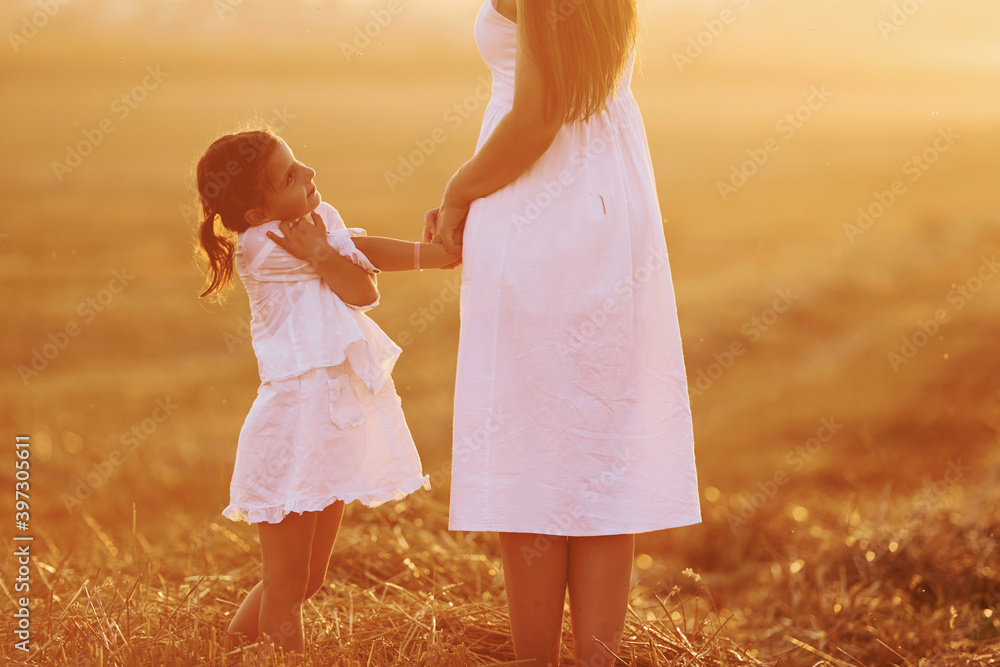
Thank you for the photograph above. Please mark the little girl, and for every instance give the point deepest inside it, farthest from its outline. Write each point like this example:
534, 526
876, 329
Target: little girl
326, 427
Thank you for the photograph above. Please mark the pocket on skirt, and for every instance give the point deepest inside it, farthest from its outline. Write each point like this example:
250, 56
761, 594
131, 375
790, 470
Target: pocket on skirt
345, 406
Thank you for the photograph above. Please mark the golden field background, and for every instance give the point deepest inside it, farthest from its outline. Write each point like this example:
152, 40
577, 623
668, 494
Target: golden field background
128, 208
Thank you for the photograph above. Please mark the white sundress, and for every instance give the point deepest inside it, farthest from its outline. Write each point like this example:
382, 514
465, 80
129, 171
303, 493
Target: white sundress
327, 424
572, 414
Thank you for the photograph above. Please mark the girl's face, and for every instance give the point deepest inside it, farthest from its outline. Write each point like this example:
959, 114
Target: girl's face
292, 191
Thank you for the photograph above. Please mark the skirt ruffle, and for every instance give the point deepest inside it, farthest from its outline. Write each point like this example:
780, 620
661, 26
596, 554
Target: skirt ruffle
298, 506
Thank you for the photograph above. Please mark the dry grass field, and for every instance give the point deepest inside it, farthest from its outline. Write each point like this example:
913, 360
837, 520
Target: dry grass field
843, 368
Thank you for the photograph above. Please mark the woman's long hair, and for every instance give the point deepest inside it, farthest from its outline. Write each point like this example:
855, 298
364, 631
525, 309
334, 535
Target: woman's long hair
231, 181
582, 48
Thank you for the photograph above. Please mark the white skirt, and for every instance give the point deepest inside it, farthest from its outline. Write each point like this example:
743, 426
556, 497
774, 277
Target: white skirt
317, 438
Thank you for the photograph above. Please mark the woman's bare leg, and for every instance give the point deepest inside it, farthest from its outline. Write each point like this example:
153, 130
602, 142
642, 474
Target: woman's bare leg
599, 577
534, 568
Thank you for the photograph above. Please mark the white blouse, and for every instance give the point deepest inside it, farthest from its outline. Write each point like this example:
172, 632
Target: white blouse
297, 323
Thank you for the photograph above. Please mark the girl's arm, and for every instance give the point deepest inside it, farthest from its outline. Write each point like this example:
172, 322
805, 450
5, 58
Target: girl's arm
306, 240
395, 255
519, 139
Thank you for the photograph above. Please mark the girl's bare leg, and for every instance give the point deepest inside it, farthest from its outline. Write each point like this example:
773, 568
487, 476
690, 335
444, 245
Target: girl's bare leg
246, 621
244, 625
327, 527
285, 548
600, 577
534, 568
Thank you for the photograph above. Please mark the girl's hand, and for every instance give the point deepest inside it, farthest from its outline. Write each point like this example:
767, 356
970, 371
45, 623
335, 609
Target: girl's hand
436, 256
430, 225
304, 238
458, 258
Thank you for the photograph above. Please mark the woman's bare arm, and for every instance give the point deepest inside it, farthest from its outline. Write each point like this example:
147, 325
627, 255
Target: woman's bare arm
519, 139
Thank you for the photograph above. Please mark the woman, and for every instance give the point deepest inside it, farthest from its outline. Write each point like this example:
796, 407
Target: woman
572, 427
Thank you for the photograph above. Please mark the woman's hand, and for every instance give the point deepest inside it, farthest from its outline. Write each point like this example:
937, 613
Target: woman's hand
304, 238
430, 234
451, 225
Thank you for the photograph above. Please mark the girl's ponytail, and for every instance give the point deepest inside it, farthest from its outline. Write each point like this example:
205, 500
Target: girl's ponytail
230, 183
219, 251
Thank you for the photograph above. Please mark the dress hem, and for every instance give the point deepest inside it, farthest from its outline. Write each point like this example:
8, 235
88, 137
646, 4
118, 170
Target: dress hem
489, 527
274, 514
